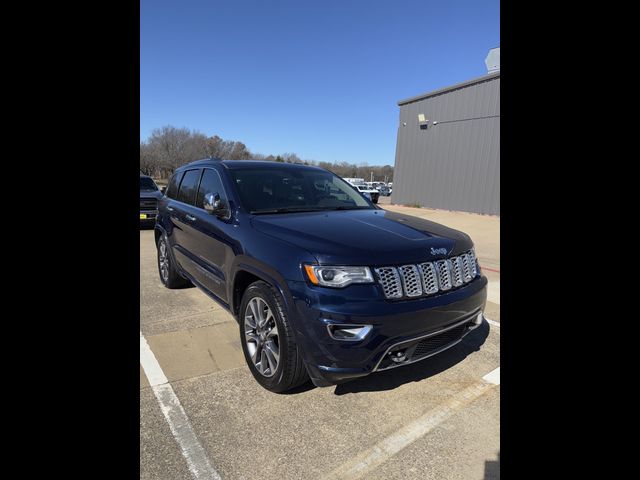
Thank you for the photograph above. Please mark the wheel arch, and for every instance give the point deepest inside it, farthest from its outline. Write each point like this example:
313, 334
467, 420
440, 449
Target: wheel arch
157, 233
244, 276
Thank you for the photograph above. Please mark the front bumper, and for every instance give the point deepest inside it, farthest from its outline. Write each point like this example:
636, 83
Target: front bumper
426, 326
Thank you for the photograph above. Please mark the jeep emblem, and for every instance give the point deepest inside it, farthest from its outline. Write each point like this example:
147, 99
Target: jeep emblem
438, 251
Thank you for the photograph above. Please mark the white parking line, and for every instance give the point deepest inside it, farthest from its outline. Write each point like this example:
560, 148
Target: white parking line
374, 456
197, 460
493, 377
493, 292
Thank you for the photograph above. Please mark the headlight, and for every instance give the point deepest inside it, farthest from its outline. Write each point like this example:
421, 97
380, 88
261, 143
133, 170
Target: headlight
337, 277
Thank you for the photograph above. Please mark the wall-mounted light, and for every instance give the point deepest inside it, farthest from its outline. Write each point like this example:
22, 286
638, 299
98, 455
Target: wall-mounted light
423, 122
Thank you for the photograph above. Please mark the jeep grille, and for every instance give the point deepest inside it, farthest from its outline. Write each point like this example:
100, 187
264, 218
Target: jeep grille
412, 281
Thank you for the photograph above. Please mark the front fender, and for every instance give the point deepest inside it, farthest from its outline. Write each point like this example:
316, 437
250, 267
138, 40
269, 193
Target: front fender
268, 274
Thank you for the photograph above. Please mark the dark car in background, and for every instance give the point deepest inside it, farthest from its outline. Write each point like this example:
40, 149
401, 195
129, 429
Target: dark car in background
149, 196
323, 283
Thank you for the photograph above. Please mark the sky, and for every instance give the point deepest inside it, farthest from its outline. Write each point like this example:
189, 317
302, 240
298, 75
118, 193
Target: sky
320, 79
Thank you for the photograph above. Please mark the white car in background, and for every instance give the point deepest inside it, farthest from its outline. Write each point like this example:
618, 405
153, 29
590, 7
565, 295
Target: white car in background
371, 193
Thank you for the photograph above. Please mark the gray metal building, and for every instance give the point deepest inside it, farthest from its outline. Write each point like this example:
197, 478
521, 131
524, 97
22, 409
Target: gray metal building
448, 148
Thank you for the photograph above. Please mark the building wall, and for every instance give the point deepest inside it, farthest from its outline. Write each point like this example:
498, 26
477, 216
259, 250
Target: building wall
454, 165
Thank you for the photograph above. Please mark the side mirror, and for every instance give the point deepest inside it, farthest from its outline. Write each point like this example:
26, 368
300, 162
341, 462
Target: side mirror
214, 205
163, 190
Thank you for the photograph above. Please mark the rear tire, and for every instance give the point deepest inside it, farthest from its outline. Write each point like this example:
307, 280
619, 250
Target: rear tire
169, 275
268, 341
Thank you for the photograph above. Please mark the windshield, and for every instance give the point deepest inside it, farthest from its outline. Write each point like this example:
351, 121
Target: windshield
147, 184
275, 190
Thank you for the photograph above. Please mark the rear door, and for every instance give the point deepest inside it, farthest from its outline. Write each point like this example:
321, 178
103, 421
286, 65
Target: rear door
166, 206
182, 217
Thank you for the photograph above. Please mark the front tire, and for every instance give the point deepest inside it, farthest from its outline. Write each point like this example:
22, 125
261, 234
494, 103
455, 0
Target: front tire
169, 275
268, 341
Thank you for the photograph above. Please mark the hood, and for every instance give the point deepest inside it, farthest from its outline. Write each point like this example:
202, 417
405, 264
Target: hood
150, 194
364, 237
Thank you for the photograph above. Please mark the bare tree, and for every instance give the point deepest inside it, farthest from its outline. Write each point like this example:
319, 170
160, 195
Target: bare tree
148, 163
169, 147
227, 149
291, 158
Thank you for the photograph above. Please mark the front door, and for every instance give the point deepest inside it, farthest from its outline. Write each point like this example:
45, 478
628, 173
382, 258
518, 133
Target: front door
212, 244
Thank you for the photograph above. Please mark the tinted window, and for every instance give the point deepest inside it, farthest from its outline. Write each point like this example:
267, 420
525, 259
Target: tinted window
287, 189
188, 187
147, 184
172, 189
210, 183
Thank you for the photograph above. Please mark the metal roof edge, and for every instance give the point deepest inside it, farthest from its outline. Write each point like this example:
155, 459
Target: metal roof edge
433, 93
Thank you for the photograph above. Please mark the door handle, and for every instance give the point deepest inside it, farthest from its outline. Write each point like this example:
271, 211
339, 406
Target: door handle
170, 209
190, 217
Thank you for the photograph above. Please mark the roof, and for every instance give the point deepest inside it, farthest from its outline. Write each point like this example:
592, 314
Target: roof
457, 86
239, 164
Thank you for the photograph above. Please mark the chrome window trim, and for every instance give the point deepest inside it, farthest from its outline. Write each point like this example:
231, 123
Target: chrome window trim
202, 169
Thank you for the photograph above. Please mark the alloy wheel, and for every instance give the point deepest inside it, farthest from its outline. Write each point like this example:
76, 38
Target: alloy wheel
261, 336
163, 260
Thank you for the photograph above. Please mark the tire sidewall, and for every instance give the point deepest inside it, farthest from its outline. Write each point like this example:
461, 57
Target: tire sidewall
264, 292
175, 279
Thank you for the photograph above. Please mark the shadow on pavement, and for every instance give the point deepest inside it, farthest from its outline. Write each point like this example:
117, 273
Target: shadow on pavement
182, 287
390, 379
305, 387
492, 469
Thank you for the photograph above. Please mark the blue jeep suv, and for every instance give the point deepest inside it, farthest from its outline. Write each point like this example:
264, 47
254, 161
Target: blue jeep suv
323, 283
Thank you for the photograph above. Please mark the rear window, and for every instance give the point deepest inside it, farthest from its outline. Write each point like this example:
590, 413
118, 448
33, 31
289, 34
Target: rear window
189, 186
172, 189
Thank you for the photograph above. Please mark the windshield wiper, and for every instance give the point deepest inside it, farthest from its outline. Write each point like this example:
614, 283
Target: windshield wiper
306, 209
287, 210
350, 208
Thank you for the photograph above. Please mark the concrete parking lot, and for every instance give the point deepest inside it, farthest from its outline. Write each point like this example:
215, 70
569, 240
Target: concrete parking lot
202, 415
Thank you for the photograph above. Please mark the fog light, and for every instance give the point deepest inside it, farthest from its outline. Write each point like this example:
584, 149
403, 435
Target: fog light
349, 332
398, 356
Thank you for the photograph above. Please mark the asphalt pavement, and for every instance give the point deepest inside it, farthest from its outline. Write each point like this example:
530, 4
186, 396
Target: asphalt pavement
203, 415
